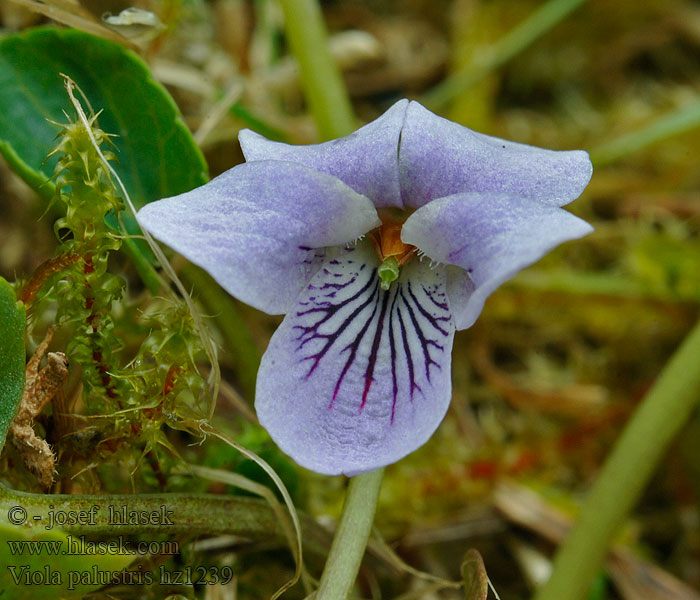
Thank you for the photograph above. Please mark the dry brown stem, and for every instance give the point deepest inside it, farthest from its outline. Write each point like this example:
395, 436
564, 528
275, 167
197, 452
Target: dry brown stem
40, 387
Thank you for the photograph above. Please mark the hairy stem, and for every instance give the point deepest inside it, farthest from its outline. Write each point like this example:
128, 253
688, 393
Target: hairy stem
662, 413
191, 514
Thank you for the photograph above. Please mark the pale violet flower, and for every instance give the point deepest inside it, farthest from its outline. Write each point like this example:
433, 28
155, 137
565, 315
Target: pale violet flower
358, 373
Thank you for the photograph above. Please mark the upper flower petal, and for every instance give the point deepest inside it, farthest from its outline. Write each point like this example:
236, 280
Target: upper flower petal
260, 229
491, 237
356, 377
438, 158
366, 160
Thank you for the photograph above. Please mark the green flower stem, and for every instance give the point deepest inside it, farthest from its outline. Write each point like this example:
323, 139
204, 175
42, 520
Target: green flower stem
320, 77
191, 514
351, 537
678, 121
662, 413
509, 46
330, 105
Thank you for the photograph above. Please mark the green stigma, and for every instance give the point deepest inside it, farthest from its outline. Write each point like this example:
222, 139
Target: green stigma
388, 271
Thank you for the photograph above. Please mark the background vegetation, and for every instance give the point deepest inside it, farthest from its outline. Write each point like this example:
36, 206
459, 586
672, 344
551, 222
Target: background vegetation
543, 382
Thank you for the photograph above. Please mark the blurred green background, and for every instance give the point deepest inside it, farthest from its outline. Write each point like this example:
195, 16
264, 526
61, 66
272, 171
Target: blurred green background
549, 374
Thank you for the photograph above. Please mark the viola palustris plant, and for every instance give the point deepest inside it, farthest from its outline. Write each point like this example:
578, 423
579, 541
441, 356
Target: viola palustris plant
376, 247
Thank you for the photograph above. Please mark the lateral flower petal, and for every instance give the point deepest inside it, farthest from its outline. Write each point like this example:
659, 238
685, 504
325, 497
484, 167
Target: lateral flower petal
438, 158
356, 377
491, 237
261, 228
366, 160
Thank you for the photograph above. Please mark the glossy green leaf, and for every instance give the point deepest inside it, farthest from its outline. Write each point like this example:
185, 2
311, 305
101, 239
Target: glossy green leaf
157, 154
12, 322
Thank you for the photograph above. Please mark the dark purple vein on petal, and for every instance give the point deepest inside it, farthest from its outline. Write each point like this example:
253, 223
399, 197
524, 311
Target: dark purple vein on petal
336, 307
424, 341
407, 351
431, 319
418, 321
310, 333
316, 256
442, 305
355, 344
332, 337
372, 361
392, 349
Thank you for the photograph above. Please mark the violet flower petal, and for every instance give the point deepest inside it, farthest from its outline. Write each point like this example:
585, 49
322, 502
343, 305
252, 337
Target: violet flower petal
438, 158
366, 160
356, 377
260, 229
491, 237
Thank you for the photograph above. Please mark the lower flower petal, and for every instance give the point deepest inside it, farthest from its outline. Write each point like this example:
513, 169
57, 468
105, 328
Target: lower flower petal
356, 377
491, 237
260, 229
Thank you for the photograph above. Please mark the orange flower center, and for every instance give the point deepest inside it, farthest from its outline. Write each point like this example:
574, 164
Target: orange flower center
386, 240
